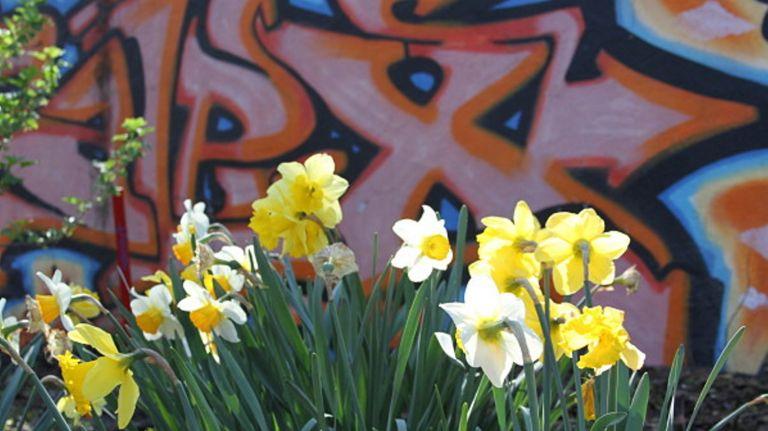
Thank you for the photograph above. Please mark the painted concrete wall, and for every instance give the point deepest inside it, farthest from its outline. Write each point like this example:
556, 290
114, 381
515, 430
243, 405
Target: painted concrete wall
651, 111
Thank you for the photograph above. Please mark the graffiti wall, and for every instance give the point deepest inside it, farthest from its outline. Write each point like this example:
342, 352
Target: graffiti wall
651, 111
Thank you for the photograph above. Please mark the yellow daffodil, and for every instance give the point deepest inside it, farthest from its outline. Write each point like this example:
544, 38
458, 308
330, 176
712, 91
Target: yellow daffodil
482, 320
107, 372
299, 206
73, 373
425, 245
559, 314
601, 331
313, 188
210, 315
514, 239
195, 222
57, 303
572, 235
6, 322
86, 309
153, 313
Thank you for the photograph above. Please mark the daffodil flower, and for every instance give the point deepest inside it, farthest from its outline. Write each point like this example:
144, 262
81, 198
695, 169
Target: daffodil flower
299, 206
483, 320
57, 303
195, 222
573, 235
245, 257
425, 245
73, 373
153, 313
107, 372
513, 241
601, 331
313, 188
6, 322
227, 278
211, 315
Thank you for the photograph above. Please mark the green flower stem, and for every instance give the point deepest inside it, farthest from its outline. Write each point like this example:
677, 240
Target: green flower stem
549, 352
10, 329
530, 373
577, 389
57, 417
585, 262
103, 310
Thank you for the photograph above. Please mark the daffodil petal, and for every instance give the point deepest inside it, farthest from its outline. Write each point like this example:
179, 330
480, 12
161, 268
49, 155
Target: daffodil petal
420, 270
126, 401
493, 360
554, 249
565, 225
592, 224
446, 344
408, 230
525, 221
601, 270
94, 337
102, 379
633, 357
610, 244
406, 256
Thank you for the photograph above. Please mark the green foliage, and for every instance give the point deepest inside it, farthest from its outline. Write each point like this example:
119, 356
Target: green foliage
129, 146
361, 360
28, 78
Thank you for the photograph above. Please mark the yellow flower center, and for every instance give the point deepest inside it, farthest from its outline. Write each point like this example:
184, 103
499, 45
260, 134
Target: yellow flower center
150, 320
206, 317
49, 308
489, 330
183, 252
307, 194
221, 280
435, 247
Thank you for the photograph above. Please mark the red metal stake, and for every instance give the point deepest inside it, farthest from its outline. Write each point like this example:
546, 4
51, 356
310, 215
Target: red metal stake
121, 243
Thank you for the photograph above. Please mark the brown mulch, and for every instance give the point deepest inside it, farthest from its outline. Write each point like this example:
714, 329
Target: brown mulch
728, 393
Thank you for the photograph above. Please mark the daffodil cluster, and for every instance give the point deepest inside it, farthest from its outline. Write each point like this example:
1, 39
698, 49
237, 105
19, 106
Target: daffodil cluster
514, 255
300, 206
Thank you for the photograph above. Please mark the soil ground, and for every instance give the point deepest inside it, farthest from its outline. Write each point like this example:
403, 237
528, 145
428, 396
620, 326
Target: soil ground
728, 393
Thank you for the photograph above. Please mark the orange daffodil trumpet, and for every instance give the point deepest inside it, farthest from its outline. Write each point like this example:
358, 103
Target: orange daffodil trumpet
425, 245
153, 313
574, 237
194, 223
107, 372
212, 316
73, 373
482, 322
300, 206
57, 303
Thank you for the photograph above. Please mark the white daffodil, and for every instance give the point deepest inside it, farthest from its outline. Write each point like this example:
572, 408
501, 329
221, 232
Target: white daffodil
246, 258
228, 279
6, 322
153, 313
195, 222
209, 314
483, 322
425, 245
57, 303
